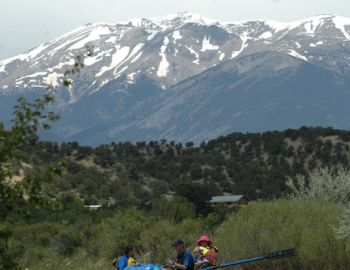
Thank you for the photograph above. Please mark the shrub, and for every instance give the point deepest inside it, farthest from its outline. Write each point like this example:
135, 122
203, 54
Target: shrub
323, 184
267, 227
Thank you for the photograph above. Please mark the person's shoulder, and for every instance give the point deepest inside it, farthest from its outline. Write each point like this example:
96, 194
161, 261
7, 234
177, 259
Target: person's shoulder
187, 253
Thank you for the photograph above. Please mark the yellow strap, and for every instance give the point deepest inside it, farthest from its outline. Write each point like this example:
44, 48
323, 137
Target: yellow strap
214, 247
131, 261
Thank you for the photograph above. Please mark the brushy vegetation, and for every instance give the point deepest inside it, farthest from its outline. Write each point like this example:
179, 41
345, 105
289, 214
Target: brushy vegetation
136, 177
251, 232
256, 165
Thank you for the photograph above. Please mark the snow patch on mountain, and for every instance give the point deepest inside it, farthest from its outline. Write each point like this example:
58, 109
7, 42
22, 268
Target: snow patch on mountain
36, 51
122, 70
244, 45
163, 68
266, 35
131, 76
67, 42
104, 82
297, 55
222, 55
340, 23
117, 58
60, 65
137, 57
176, 35
196, 54
92, 60
66, 35
3, 63
52, 79
89, 61
207, 46
111, 39
152, 32
134, 51
32, 75
94, 35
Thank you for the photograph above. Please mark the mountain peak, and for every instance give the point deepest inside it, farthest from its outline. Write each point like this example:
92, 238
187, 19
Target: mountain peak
136, 60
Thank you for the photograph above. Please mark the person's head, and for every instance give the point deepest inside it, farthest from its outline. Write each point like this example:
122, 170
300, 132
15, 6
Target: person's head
179, 245
130, 250
204, 241
196, 251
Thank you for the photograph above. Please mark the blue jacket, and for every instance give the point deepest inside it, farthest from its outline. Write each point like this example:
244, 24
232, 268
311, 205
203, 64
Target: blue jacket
124, 261
185, 259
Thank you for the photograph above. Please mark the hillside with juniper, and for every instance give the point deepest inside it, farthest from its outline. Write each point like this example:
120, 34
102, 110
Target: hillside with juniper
254, 164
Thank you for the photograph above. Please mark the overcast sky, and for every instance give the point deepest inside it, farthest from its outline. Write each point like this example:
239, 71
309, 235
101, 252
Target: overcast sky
25, 24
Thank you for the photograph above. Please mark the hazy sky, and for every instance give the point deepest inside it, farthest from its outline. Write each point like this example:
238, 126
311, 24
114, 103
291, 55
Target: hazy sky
24, 24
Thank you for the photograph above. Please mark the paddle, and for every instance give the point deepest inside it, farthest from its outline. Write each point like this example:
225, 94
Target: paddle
273, 256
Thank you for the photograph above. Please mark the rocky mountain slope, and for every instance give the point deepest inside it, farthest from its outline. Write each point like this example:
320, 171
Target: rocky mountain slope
189, 78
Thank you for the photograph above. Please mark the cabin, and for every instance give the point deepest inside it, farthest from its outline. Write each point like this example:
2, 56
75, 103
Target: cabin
230, 201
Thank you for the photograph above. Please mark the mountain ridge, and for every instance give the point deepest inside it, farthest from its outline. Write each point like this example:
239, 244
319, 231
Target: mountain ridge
140, 61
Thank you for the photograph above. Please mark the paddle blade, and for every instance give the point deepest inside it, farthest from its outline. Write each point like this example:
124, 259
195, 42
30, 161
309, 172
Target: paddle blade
281, 254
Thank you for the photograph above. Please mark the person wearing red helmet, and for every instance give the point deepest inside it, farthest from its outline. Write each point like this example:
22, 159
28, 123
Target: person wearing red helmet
205, 245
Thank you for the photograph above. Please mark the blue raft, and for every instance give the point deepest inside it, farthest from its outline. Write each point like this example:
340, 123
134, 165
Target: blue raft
282, 254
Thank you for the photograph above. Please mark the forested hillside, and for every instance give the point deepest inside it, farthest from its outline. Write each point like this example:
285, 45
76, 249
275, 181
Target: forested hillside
137, 179
254, 164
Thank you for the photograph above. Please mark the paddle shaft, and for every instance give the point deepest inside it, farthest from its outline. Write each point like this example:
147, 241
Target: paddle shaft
234, 263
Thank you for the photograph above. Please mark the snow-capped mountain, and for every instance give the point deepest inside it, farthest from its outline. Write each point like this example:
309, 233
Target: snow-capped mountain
146, 61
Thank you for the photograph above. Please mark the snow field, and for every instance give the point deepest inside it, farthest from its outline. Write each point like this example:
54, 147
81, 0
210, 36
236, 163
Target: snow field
207, 46
137, 57
244, 45
266, 35
176, 35
60, 65
94, 35
163, 68
52, 79
33, 75
196, 54
152, 32
117, 58
297, 55
134, 51
111, 39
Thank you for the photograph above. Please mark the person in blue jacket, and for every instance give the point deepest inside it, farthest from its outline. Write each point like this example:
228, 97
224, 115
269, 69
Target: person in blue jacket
128, 257
183, 259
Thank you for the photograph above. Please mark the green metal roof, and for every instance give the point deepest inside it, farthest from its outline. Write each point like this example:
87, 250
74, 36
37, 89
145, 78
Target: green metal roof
223, 199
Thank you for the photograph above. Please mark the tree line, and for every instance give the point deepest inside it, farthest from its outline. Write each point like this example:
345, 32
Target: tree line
256, 165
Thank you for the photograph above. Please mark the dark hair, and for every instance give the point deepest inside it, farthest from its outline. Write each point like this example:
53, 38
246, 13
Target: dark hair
127, 248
